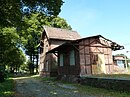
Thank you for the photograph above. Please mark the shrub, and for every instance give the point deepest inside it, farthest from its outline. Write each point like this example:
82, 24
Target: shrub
2, 76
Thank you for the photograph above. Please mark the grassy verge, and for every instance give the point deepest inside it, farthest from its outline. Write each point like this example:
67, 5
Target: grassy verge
88, 90
98, 92
6, 88
101, 92
113, 75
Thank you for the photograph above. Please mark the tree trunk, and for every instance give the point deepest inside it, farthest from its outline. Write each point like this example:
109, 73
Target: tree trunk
37, 64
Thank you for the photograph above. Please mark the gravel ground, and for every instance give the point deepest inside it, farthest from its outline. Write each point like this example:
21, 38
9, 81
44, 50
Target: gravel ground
32, 87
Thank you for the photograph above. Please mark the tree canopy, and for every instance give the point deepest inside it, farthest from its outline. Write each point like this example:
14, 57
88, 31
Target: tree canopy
12, 11
30, 32
10, 54
21, 23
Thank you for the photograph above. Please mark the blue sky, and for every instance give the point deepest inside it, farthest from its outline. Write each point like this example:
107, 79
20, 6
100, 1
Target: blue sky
109, 18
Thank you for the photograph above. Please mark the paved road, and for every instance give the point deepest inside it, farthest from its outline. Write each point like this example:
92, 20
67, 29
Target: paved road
32, 87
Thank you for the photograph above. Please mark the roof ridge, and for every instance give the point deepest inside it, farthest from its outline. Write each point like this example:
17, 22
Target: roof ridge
60, 33
59, 28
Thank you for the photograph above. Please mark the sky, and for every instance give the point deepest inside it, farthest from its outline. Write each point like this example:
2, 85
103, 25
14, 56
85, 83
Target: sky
109, 18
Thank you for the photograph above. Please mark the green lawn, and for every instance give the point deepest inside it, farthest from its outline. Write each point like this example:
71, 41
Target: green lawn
7, 88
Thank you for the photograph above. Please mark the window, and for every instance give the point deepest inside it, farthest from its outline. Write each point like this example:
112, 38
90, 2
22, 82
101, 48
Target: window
72, 58
61, 60
120, 63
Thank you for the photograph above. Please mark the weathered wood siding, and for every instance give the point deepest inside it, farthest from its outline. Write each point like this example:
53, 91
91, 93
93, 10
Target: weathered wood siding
44, 67
56, 43
89, 51
48, 62
68, 69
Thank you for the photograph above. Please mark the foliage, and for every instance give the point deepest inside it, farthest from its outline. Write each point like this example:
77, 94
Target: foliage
30, 32
6, 88
32, 27
11, 11
30, 66
2, 77
8, 40
60, 23
49, 7
24, 67
20, 26
124, 76
9, 51
16, 59
101, 92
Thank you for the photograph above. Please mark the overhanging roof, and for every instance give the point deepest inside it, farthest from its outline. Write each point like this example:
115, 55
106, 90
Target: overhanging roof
114, 45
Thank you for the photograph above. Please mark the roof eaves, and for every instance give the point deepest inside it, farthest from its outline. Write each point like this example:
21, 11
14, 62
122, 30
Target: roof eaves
56, 49
45, 30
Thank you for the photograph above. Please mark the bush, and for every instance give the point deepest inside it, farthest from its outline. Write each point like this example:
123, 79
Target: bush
108, 83
2, 76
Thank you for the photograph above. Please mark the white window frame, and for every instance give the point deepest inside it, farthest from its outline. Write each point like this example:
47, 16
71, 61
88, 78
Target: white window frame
61, 61
72, 58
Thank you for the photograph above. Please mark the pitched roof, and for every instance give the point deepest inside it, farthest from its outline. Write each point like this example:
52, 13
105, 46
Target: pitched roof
63, 34
114, 46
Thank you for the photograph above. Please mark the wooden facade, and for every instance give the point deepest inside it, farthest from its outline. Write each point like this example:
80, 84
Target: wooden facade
95, 56
45, 67
67, 68
50, 39
92, 55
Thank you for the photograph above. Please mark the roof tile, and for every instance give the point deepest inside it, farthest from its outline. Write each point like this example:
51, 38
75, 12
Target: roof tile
58, 33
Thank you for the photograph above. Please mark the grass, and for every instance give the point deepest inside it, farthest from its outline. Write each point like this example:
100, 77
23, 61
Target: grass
121, 75
6, 88
97, 92
101, 92
125, 76
81, 89
88, 90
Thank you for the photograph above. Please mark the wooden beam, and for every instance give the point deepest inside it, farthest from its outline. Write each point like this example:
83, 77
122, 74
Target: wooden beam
75, 47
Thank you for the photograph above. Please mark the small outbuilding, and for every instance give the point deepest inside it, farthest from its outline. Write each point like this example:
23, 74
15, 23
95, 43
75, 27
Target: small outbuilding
120, 60
51, 38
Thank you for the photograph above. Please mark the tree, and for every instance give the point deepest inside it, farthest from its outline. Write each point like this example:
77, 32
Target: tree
10, 53
13, 15
12, 11
16, 59
60, 23
8, 40
31, 31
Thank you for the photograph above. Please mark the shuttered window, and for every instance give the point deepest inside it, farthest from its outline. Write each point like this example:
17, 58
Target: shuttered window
72, 57
61, 60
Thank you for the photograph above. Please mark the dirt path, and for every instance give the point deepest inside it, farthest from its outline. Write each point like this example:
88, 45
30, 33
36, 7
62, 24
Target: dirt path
32, 87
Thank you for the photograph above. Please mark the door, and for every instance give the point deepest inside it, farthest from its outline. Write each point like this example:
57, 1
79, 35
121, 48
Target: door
101, 64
